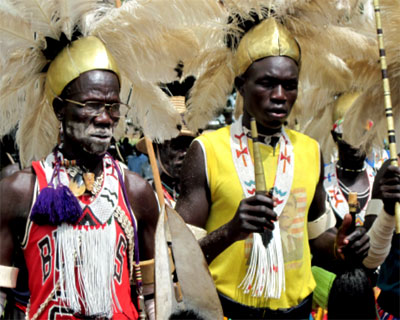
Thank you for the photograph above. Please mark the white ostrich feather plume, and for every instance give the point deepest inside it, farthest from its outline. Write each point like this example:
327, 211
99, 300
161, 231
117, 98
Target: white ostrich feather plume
370, 105
152, 103
210, 90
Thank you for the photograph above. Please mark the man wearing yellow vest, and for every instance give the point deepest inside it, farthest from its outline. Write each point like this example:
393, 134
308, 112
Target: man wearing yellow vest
258, 246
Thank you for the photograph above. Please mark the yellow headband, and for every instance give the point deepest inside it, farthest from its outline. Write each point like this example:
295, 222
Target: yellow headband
268, 39
80, 56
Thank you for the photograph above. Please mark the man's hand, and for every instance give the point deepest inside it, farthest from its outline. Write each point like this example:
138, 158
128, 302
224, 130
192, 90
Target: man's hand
254, 214
389, 188
352, 246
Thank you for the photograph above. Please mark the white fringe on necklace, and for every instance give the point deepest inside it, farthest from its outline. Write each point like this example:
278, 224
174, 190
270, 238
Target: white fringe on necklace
86, 268
261, 278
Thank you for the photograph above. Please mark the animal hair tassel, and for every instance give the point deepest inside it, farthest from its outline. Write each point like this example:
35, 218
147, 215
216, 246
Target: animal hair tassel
56, 203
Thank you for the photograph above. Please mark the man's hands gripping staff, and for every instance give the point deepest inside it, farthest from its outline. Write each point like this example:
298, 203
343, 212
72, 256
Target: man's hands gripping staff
254, 214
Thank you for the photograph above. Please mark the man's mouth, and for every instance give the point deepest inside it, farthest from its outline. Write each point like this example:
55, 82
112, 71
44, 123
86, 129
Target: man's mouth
278, 113
102, 137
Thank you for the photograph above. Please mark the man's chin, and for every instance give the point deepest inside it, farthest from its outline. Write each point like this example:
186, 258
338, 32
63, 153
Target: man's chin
97, 149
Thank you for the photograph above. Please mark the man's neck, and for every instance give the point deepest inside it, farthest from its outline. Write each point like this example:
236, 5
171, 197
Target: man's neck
352, 164
352, 173
91, 162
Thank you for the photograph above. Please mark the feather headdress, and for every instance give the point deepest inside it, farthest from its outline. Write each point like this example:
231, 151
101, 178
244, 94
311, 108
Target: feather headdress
338, 54
370, 104
366, 78
146, 38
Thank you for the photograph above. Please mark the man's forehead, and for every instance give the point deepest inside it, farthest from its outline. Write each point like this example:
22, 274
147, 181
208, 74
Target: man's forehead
279, 66
94, 80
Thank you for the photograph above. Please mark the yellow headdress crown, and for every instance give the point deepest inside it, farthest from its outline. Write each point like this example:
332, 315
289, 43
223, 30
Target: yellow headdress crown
268, 39
80, 56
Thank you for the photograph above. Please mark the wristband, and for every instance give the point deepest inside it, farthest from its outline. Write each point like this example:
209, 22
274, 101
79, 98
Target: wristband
8, 276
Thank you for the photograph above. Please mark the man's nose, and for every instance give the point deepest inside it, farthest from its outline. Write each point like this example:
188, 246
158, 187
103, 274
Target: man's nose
105, 118
278, 93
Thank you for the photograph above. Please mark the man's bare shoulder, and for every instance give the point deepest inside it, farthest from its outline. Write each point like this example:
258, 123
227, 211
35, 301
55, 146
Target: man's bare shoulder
141, 195
16, 191
20, 181
9, 170
136, 185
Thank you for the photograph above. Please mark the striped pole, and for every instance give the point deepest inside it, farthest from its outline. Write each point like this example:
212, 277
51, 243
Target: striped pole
388, 101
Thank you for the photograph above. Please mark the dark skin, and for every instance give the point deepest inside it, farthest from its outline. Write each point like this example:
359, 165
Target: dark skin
171, 154
9, 170
353, 159
269, 90
86, 138
387, 186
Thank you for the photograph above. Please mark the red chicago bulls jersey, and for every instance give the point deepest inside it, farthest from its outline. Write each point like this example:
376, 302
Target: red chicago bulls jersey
43, 265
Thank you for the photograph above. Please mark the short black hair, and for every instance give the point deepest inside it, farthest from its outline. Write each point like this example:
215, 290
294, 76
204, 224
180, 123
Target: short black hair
55, 46
351, 296
185, 314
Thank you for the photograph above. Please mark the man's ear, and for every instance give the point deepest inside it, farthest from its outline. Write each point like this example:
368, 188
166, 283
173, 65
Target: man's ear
58, 107
239, 83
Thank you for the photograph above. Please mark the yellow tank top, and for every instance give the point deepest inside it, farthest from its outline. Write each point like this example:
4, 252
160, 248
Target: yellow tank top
229, 268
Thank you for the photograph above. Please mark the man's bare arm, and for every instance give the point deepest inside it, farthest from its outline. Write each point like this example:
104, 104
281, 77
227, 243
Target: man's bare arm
145, 208
194, 201
324, 244
16, 192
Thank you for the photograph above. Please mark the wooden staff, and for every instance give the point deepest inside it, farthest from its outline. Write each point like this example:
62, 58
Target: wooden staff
261, 186
388, 102
258, 165
156, 173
